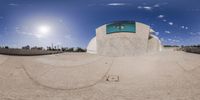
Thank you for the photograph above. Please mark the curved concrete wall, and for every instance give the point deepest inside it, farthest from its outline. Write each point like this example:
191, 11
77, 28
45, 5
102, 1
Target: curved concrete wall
154, 44
92, 46
122, 44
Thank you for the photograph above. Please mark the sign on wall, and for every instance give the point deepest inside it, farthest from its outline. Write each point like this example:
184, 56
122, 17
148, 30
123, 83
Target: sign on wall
122, 26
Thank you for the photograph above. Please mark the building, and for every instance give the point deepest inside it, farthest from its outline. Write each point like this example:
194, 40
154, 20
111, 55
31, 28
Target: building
124, 38
37, 48
26, 47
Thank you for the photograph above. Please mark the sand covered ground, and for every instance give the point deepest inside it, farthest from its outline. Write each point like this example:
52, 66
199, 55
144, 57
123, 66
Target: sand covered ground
167, 75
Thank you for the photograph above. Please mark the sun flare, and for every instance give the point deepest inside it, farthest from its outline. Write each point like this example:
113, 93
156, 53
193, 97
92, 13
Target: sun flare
44, 29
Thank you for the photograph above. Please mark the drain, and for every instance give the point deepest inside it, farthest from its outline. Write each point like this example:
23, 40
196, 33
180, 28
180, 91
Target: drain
112, 78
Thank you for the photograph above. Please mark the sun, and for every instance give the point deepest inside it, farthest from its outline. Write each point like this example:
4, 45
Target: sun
44, 29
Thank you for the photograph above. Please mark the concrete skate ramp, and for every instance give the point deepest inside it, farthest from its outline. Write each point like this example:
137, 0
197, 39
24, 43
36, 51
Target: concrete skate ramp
122, 43
189, 62
70, 60
154, 44
124, 38
122, 46
2, 59
92, 46
67, 72
166, 75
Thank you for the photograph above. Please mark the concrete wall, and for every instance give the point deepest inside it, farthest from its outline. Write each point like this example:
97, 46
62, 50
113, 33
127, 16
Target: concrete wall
92, 46
22, 52
154, 44
123, 44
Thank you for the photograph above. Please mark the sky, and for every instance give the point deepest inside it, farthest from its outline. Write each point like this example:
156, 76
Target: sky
72, 23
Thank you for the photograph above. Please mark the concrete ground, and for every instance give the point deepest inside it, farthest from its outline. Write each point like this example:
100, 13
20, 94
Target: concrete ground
167, 75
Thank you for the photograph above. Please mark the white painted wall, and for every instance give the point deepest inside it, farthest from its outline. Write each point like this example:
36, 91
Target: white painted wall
124, 44
154, 44
92, 46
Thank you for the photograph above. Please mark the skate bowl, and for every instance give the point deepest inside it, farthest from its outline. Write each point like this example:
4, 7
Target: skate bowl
79, 76
2, 59
76, 73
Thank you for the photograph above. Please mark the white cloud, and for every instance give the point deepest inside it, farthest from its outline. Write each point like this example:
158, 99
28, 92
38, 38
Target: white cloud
19, 31
17, 27
145, 7
148, 8
68, 36
195, 33
171, 23
176, 40
27, 33
167, 32
162, 39
157, 33
169, 39
161, 16
116, 4
164, 20
139, 7
182, 26
13, 4
191, 33
173, 40
156, 5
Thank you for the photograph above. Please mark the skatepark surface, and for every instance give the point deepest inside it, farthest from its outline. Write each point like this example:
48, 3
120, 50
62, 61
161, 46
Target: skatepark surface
166, 75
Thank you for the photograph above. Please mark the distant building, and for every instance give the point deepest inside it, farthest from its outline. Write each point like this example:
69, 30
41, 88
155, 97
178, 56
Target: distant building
124, 38
78, 49
26, 47
37, 48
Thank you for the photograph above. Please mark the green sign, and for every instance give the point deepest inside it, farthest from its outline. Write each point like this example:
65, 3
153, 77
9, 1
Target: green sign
123, 26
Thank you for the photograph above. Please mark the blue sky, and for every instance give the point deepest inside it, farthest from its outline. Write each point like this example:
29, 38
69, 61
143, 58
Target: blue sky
72, 23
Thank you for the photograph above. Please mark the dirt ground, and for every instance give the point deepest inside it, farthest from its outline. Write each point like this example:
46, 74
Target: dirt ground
167, 75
